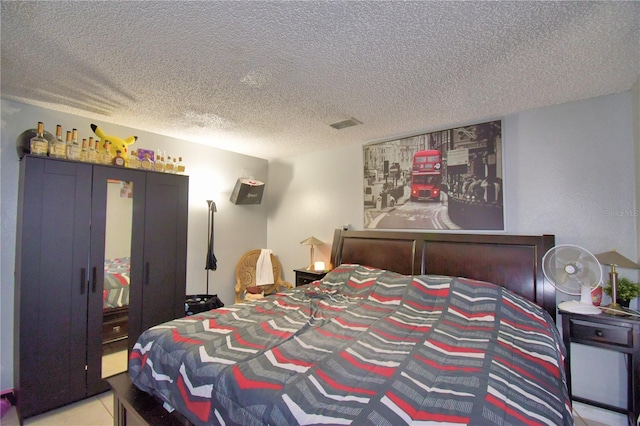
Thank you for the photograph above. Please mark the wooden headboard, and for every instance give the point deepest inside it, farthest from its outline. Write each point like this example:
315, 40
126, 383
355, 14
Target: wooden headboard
512, 261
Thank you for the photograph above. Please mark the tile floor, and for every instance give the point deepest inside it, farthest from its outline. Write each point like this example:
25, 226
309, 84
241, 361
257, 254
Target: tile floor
94, 411
114, 363
98, 411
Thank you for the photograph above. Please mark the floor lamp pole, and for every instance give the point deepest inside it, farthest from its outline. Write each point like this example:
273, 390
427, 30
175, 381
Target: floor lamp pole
210, 264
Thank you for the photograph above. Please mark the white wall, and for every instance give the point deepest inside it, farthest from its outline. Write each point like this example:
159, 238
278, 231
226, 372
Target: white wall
569, 171
312, 194
212, 172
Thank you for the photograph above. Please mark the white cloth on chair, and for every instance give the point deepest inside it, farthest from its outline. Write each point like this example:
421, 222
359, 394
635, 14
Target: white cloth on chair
264, 268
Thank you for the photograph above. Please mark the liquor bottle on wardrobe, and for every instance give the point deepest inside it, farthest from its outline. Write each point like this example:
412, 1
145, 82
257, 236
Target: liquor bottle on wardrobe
59, 149
85, 150
51, 146
38, 145
169, 165
73, 148
68, 144
106, 154
118, 160
146, 163
159, 166
92, 154
134, 161
180, 168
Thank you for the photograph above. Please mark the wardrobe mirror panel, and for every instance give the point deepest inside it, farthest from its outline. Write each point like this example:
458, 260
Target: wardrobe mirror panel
117, 253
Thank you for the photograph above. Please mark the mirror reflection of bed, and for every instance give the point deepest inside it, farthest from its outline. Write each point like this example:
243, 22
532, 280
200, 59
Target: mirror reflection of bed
115, 296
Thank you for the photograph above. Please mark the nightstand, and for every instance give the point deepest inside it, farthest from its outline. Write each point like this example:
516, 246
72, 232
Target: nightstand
305, 276
620, 334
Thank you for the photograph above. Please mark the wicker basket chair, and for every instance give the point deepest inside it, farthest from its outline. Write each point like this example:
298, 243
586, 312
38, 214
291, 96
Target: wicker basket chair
246, 288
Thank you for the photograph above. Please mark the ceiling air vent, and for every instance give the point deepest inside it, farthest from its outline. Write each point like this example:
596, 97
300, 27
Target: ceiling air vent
346, 123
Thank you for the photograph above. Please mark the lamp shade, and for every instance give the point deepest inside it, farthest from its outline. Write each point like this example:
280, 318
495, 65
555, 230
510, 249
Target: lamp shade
614, 258
311, 241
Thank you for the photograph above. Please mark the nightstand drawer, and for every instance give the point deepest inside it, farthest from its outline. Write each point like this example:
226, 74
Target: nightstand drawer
306, 276
304, 280
602, 333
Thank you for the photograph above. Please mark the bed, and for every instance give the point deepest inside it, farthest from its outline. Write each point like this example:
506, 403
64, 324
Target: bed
115, 304
392, 335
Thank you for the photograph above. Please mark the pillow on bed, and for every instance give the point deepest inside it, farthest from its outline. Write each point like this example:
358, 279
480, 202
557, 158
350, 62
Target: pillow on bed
423, 292
354, 280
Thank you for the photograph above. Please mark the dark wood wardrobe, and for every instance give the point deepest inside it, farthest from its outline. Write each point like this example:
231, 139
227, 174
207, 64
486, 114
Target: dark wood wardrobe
60, 262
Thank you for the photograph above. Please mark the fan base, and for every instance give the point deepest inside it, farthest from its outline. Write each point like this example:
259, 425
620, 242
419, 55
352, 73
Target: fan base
579, 308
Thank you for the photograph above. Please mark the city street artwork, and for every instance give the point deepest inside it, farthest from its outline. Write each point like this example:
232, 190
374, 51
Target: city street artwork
446, 180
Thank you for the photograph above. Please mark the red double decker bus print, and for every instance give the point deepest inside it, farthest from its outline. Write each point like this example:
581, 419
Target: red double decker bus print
426, 175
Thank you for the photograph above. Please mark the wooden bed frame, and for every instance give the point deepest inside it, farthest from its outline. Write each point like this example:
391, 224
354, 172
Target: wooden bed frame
512, 261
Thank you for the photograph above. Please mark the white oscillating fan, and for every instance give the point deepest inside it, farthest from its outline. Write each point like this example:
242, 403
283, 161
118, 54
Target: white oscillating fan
573, 270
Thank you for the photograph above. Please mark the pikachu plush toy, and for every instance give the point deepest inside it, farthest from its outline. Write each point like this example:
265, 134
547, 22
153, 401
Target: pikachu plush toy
117, 144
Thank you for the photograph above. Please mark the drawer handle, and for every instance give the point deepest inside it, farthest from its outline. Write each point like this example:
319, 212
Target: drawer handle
116, 329
599, 333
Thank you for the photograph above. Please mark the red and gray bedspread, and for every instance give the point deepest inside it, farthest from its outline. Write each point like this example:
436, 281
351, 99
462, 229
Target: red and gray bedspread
363, 346
116, 282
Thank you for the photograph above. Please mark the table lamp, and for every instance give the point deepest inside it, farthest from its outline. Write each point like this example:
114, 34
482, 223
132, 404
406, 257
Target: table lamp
311, 241
615, 259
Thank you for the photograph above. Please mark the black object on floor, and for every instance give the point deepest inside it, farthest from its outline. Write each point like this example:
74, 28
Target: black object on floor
197, 303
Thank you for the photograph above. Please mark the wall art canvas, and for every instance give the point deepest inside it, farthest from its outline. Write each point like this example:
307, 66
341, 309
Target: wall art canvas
446, 180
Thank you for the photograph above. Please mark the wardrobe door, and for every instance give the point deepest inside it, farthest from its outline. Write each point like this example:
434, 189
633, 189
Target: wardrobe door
117, 232
165, 248
51, 283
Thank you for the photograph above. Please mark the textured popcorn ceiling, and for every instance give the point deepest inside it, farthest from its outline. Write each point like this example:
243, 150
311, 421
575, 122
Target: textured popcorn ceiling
268, 78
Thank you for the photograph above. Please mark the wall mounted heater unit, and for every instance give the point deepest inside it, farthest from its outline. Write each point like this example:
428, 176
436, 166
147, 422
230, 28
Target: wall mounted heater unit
247, 191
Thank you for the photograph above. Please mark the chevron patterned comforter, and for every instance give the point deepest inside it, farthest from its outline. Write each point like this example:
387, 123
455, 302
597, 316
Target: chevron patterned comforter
362, 346
116, 282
